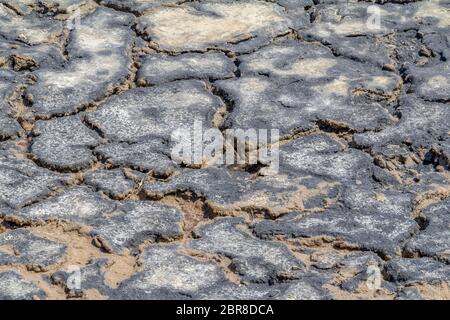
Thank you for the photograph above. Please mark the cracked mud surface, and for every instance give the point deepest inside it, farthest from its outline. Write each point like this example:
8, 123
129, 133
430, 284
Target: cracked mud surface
86, 175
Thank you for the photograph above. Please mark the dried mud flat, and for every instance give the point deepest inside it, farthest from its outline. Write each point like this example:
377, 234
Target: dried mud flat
88, 188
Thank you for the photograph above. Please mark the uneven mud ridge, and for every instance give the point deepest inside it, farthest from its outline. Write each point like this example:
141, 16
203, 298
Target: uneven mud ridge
93, 207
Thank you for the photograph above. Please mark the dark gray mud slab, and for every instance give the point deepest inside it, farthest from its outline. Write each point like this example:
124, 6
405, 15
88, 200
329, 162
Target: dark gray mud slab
417, 270
14, 287
431, 82
9, 127
325, 157
98, 62
233, 291
436, 42
116, 224
238, 26
370, 49
78, 204
262, 104
21, 57
30, 29
341, 20
137, 221
382, 233
352, 30
298, 12
420, 124
378, 201
316, 64
23, 182
155, 112
22, 247
240, 192
157, 69
434, 239
255, 260
64, 144
305, 84
150, 156
112, 182
170, 274
309, 288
